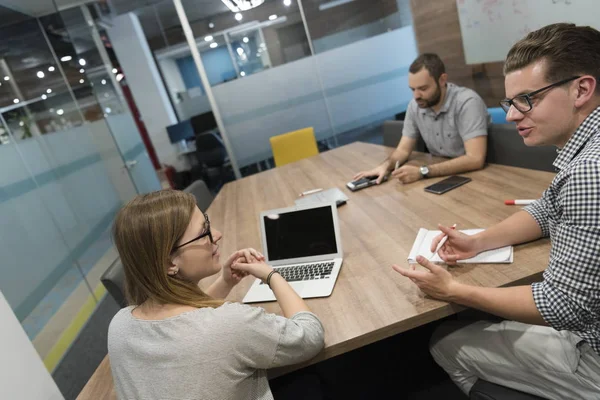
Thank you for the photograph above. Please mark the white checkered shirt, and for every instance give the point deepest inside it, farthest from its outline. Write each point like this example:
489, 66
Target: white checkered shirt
569, 211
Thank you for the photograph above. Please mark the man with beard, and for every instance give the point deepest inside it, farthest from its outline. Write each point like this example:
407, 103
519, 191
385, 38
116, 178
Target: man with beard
452, 120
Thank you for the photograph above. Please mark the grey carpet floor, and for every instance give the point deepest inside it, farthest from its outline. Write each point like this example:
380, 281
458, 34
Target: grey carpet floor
86, 352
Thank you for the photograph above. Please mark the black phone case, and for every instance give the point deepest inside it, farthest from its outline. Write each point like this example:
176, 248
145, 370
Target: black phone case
428, 188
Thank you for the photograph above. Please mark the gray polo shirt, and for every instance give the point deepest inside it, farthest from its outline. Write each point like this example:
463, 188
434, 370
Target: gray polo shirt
462, 117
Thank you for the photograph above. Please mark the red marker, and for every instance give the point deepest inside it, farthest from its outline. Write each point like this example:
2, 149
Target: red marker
518, 202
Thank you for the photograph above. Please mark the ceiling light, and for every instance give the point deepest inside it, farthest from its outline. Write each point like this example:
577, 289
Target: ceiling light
40, 74
208, 38
287, 3
242, 5
81, 62
82, 70
66, 58
120, 77
114, 70
103, 81
16, 101
60, 111
48, 91
21, 123
44, 97
51, 69
331, 4
211, 25
213, 45
106, 95
108, 110
242, 73
238, 17
6, 78
245, 39
240, 51
81, 81
272, 17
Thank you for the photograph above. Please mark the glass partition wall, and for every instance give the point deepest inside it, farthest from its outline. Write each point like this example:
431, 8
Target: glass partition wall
340, 67
63, 173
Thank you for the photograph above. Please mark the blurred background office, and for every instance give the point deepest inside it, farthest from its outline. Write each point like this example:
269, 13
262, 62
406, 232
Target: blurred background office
101, 100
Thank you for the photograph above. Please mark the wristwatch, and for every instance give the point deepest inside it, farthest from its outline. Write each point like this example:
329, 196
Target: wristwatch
424, 171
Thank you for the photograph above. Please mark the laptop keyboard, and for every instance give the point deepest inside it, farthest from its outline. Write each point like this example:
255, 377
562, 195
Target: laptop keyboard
305, 272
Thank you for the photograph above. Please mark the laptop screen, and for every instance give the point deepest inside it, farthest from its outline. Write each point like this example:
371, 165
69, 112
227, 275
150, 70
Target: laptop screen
301, 233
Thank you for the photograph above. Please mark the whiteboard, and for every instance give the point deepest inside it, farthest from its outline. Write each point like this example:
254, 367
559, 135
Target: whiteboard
489, 28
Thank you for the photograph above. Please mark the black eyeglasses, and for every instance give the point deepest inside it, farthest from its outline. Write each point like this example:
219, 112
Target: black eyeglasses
523, 103
206, 232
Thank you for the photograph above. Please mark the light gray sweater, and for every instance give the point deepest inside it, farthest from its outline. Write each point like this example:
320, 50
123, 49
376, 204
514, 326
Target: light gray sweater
209, 353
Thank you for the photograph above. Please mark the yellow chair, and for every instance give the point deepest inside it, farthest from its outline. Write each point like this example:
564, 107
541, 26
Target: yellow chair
294, 146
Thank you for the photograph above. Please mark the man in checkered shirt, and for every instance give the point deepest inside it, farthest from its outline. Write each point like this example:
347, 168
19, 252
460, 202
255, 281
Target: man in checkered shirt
549, 344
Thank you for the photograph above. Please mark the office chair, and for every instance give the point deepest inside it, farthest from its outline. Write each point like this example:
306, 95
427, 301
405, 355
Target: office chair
392, 133
212, 157
505, 147
200, 191
484, 390
294, 146
113, 280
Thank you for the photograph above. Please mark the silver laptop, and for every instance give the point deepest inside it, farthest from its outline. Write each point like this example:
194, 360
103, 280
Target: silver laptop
303, 244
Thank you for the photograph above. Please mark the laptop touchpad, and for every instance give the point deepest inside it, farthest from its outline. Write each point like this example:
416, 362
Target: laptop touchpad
298, 287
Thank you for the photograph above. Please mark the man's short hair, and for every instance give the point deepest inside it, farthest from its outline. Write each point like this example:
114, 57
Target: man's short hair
567, 49
431, 62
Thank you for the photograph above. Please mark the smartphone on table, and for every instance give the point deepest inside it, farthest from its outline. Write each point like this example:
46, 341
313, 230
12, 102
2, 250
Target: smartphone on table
364, 182
447, 184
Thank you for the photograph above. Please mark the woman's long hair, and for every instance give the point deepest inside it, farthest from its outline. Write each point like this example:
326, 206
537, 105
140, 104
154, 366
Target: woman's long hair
145, 232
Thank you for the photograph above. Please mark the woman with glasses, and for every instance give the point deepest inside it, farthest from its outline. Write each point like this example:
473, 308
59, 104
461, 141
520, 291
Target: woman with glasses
178, 341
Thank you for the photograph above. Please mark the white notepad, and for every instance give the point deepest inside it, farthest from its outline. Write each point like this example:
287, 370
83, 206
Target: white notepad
424, 238
325, 196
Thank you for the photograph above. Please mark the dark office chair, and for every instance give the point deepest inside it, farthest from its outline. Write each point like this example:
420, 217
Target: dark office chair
392, 133
506, 147
212, 157
114, 282
484, 390
200, 191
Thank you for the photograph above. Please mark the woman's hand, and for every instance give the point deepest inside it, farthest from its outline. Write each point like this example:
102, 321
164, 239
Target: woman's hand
256, 268
232, 276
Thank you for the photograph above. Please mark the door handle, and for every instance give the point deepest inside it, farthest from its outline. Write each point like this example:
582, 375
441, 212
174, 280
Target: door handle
130, 164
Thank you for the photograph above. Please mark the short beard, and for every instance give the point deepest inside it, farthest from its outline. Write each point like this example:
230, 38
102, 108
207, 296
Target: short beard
437, 96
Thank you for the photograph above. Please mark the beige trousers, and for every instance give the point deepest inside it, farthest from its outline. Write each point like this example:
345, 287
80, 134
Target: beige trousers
530, 358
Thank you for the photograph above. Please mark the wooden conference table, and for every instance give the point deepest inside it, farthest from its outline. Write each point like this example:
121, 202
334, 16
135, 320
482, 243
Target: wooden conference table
378, 226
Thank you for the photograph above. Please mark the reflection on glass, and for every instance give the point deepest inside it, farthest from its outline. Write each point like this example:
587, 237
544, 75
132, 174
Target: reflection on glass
250, 51
354, 20
56, 224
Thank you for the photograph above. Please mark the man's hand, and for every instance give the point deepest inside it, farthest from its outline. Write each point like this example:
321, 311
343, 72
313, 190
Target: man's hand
407, 174
379, 172
458, 246
436, 282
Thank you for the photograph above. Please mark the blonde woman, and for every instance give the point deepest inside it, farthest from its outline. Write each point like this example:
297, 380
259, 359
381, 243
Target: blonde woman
177, 341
